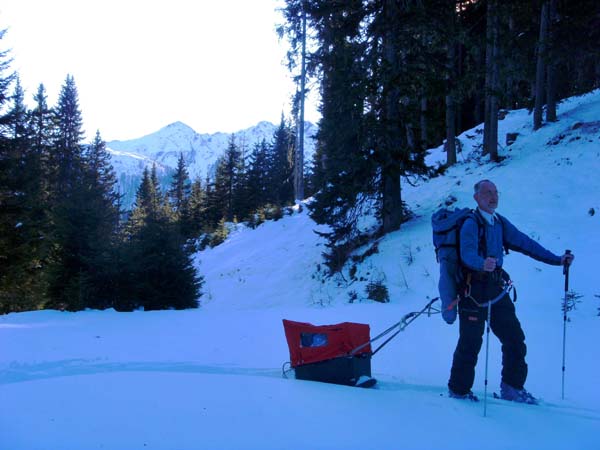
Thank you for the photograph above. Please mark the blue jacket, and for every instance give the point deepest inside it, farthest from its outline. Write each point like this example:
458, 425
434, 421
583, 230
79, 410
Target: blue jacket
501, 232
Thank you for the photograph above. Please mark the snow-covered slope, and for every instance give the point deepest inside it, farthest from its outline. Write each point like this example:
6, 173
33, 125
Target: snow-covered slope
200, 152
210, 378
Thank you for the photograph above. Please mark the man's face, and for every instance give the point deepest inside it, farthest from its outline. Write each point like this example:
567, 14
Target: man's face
487, 197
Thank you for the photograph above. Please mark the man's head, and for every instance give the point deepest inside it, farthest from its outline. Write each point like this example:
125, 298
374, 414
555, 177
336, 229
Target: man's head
486, 196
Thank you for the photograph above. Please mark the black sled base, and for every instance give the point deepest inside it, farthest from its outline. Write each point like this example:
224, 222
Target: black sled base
346, 370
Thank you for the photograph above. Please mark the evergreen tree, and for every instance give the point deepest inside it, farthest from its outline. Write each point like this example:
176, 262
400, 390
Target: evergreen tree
41, 125
281, 175
179, 192
159, 273
71, 263
346, 170
18, 243
101, 225
213, 212
195, 223
259, 185
17, 117
34, 229
228, 181
67, 146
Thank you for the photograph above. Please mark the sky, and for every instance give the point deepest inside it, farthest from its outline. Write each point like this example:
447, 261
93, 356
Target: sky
140, 65
211, 378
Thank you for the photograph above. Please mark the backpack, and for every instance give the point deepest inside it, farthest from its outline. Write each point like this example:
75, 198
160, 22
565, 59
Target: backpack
446, 224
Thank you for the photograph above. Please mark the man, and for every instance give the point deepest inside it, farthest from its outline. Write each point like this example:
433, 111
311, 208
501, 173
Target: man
482, 238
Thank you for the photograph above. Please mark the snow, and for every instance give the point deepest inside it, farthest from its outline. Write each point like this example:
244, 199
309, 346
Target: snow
211, 378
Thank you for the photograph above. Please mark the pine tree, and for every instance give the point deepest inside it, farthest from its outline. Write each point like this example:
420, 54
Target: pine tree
227, 180
19, 283
259, 183
179, 192
102, 225
214, 198
158, 273
67, 146
281, 175
195, 223
346, 170
71, 262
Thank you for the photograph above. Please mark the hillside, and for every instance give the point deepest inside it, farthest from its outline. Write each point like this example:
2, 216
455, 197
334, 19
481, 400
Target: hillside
211, 378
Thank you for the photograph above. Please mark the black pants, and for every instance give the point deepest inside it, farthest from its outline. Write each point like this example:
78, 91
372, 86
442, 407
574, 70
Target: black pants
505, 326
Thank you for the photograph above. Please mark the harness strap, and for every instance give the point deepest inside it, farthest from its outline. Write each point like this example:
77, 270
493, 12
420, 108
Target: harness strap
508, 286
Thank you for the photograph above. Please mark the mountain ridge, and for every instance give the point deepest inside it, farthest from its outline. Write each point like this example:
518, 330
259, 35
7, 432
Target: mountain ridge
200, 152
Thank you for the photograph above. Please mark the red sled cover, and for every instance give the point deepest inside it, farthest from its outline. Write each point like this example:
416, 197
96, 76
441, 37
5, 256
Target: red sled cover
313, 343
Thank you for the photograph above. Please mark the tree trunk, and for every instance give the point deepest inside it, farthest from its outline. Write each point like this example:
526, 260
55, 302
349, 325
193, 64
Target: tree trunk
495, 88
509, 89
392, 201
299, 162
450, 146
458, 109
540, 68
551, 70
490, 131
479, 108
423, 123
391, 170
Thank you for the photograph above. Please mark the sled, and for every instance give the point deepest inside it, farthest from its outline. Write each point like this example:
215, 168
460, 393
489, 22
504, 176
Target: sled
340, 353
328, 353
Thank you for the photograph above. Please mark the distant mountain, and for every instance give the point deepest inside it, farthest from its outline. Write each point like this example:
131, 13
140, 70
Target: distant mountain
200, 152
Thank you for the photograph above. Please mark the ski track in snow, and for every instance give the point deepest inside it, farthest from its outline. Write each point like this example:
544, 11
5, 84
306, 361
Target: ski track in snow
17, 373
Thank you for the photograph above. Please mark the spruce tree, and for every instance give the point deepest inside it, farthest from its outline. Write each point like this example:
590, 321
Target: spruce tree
159, 273
19, 280
71, 263
260, 185
281, 175
195, 221
180, 189
227, 180
102, 225
344, 167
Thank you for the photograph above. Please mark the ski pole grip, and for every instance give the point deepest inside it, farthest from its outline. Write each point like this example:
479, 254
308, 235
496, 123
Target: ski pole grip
566, 264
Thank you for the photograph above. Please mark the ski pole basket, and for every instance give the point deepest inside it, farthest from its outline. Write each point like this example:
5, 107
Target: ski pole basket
325, 352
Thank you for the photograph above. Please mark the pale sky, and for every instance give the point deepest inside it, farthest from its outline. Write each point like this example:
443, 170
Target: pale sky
139, 65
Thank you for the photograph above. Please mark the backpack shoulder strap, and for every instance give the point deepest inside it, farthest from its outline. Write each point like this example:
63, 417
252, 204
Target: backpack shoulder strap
480, 221
502, 221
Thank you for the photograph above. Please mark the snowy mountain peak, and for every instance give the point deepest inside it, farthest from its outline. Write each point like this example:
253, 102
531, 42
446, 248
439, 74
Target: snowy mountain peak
200, 151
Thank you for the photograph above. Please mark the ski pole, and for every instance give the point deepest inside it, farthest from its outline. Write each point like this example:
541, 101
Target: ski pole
565, 307
487, 346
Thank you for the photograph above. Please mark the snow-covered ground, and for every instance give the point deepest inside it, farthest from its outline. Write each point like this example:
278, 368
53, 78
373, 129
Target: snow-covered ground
211, 378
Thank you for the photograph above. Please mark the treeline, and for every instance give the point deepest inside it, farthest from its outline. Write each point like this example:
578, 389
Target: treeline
63, 244
399, 77
66, 243
248, 185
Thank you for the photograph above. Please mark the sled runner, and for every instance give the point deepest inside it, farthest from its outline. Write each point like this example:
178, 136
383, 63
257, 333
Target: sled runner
326, 352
